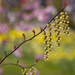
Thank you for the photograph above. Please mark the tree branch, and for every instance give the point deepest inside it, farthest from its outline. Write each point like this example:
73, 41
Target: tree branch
31, 37
18, 65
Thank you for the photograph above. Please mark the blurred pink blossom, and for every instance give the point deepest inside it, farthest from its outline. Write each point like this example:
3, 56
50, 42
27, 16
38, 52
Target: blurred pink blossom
39, 56
3, 28
18, 52
29, 8
41, 15
48, 9
23, 64
28, 17
22, 26
1, 10
31, 5
1, 71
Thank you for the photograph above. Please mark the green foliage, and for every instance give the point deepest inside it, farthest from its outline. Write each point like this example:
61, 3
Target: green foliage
61, 61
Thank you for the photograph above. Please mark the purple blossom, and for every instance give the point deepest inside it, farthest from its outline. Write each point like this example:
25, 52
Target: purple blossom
23, 64
40, 11
1, 71
31, 5
39, 56
3, 28
36, 12
22, 26
18, 52
1, 9
29, 8
41, 15
48, 9
28, 17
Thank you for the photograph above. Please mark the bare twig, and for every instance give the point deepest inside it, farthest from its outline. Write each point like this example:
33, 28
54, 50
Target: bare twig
17, 65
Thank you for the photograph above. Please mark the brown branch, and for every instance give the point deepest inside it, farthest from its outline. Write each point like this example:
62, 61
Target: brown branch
18, 65
31, 37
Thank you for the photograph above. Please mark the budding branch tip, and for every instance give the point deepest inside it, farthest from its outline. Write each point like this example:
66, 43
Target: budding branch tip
14, 47
41, 28
36, 61
5, 53
17, 61
65, 3
33, 32
24, 36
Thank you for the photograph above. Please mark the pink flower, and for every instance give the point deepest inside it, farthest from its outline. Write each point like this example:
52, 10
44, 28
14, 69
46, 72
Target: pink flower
42, 15
23, 64
3, 28
29, 8
31, 5
1, 71
28, 17
23, 26
39, 56
18, 52
1, 10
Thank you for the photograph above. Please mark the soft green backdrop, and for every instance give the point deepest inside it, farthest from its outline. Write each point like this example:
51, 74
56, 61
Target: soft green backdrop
61, 61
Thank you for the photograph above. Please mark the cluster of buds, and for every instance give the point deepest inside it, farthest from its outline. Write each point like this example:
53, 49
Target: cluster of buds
59, 22
24, 72
32, 71
57, 30
65, 22
47, 42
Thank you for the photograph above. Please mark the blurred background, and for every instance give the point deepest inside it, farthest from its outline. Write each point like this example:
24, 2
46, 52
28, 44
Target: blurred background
19, 17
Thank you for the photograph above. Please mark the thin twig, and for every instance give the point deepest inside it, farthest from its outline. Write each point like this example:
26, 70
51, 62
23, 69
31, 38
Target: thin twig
17, 65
